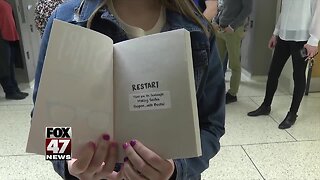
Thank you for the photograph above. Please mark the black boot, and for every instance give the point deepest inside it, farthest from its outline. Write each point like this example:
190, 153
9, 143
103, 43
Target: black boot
15, 96
22, 93
262, 110
230, 98
288, 121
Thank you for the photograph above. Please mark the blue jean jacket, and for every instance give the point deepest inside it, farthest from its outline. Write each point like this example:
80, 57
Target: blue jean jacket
208, 72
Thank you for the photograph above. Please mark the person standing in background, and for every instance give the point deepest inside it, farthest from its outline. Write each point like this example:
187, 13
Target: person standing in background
8, 37
229, 28
43, 11
298, 27
208, 8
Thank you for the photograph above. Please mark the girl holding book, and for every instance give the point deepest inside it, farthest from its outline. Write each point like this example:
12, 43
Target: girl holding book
125, 19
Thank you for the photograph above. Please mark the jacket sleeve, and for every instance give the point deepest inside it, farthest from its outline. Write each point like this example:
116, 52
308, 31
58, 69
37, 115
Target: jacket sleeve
60, 166
211, 109
315, 26
245, 12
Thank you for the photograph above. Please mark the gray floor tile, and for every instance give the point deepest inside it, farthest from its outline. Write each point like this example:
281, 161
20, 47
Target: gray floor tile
231, 163
14, 131
26, 168
284, 161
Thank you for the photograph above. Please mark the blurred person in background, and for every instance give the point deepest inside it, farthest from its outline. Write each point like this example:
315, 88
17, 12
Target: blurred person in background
8, 51
297, 29
229, 26
208, 8
43, 11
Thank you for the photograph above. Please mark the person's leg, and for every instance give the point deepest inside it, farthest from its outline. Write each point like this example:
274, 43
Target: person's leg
299, 77
221, 46
279, 59
12, 65
13, 59
9, 86
233, 42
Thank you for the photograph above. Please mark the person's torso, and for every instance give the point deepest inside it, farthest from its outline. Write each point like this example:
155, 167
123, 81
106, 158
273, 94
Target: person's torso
231, 10
106, 23
7, 24
296, 17
133, 31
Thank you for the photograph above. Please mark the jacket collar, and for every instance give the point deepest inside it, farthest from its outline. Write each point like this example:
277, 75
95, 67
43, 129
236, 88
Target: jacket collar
174, 19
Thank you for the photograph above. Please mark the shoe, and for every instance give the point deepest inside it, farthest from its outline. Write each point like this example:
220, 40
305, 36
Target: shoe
23, 93
262, 110
15, 96
230, 98
288, 121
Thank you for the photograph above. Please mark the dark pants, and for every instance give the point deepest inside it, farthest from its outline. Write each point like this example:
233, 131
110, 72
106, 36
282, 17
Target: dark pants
9, 83
283, 50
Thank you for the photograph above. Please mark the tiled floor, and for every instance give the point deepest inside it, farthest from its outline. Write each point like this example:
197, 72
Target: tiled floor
252, 148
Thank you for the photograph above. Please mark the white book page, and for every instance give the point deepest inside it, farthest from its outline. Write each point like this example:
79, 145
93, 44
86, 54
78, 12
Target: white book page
76, 87
155, 98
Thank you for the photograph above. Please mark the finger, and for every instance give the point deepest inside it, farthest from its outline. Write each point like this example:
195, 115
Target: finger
270, 45
110, 160
78, 166
112, 175
139, 163
99, 155
120, 175
149, 156
131, 174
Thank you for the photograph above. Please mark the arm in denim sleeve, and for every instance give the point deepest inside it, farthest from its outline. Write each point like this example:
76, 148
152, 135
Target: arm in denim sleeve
59, 166
211, 109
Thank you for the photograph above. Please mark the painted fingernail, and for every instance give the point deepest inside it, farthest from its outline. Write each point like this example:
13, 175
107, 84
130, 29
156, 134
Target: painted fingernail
133, 142
126, 159
125, 145
106, 137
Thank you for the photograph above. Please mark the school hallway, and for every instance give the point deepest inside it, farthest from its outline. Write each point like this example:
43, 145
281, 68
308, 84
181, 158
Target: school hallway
252, 148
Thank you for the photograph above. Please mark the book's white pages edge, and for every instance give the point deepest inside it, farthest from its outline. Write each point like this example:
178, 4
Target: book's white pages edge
193, 94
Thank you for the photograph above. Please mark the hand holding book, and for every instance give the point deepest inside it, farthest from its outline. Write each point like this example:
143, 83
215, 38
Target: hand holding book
143, 162
95, 160
98, 160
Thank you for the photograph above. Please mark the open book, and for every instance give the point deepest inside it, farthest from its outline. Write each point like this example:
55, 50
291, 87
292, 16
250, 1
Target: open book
138, 89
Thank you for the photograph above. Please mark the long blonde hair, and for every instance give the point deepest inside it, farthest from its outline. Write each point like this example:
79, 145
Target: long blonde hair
184, 7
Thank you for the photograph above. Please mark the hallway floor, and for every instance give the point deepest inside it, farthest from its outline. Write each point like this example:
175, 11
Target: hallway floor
252, 148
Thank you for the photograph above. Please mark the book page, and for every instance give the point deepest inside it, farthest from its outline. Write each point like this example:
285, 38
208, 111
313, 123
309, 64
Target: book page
76, 88
155, 98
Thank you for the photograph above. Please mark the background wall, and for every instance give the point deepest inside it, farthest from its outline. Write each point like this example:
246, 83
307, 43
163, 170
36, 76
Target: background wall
256, 56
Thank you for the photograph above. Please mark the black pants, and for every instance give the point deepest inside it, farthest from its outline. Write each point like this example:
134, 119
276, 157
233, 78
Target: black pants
283, 50
9, 83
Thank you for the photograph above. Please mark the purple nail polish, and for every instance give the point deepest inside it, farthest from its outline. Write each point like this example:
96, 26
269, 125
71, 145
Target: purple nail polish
133, 142
125, 145
126, 159
106, 137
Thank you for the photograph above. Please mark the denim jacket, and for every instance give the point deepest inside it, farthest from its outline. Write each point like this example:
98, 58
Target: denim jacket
208, 77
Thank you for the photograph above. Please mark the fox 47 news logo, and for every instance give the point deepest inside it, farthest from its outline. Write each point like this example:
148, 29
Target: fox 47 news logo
58, 143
